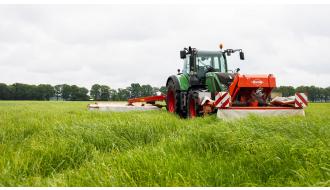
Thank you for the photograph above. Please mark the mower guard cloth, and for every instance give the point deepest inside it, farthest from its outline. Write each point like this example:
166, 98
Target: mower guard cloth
237, 113
282, 101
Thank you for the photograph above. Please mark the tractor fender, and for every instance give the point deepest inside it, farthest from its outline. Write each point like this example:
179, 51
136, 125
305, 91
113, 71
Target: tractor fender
175, 80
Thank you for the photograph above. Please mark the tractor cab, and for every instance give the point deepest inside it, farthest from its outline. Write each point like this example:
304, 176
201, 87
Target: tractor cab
203, 62
207, 68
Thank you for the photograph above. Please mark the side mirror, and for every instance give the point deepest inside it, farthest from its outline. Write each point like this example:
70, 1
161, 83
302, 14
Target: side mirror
241, 55
183, 54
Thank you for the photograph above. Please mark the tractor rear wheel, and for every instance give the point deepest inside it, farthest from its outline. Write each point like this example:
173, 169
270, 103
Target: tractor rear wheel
173, 99
193, 107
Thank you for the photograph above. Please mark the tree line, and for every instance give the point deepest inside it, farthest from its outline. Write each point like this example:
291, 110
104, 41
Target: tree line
19, 91
104, 93
314, 94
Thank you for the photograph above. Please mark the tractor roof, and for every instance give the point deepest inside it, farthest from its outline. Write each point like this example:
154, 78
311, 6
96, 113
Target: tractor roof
208, 52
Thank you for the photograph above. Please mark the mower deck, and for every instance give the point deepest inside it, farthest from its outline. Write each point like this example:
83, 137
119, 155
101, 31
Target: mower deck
121, 106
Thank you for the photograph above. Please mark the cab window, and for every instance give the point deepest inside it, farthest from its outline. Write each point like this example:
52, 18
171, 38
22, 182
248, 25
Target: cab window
185, 69
216, 64
223, 64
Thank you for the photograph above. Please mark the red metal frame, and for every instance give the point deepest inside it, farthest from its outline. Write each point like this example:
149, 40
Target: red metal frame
170, 101
192, 109
261, 108
148, 99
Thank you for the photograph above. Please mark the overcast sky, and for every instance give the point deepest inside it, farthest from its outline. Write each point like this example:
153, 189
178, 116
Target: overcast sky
117, 45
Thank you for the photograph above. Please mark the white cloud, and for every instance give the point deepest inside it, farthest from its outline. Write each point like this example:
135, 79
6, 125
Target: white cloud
120, 44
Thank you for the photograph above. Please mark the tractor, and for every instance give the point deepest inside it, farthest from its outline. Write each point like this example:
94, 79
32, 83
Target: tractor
206, 86
203, 72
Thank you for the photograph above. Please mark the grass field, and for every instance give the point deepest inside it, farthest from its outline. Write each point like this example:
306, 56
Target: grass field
63, 144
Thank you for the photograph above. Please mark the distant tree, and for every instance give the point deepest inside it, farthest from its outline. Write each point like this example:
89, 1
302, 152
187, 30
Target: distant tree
12, 92
74, 92
5, 92
21, 91
105, 93
302, 89
58, 91
285, 90
312, 93
78, 93
327, 94
163, 89
113, 95
135, 90
123, 94
322, 94
146, 90
33, 92
83, 94
96, 92
45, 91
66, 92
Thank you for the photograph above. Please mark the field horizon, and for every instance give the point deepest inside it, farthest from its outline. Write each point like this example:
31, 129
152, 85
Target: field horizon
61, 143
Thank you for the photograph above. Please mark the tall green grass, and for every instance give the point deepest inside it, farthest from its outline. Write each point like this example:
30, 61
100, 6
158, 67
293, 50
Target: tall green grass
63, 144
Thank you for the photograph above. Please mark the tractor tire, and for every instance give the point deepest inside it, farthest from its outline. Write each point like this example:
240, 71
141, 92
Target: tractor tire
193, 107
173, 99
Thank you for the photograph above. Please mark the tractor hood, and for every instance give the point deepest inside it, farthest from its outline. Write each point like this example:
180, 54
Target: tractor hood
219, 81
226, 78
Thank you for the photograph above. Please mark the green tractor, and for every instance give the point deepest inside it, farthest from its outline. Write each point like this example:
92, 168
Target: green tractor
206, 86
204, 72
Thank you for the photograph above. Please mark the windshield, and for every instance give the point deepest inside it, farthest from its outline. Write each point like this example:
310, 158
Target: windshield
214, 61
